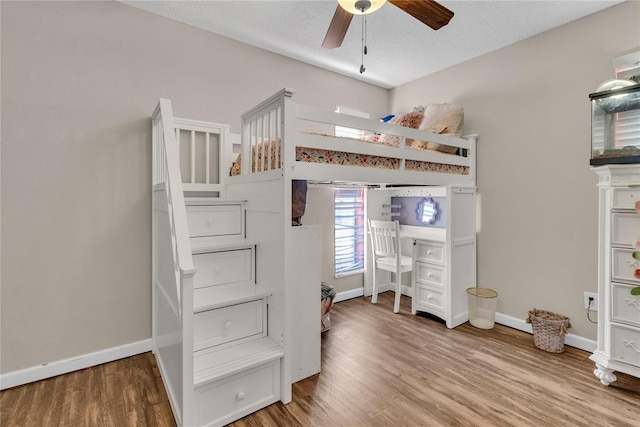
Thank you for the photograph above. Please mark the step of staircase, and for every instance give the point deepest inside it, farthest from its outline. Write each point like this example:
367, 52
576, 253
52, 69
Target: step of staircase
201, 245
212, 297
212, 364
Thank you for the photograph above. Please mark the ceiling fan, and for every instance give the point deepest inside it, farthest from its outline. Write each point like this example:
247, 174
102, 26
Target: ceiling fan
429, 12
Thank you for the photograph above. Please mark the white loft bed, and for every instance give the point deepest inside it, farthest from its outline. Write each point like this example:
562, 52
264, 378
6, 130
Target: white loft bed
286, 259
299, 129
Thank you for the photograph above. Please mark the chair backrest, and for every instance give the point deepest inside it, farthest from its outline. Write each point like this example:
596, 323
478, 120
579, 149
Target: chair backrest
385, 238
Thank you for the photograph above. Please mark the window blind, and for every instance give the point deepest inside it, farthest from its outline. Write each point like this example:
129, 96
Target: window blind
349, 231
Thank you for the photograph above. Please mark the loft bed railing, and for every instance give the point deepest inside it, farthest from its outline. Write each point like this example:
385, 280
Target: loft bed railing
274, 129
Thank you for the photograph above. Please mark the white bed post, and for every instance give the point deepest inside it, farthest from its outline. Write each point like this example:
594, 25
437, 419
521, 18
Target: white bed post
287, 126
471, 155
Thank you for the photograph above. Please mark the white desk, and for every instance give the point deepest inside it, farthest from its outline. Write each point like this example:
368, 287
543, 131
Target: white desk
441, 273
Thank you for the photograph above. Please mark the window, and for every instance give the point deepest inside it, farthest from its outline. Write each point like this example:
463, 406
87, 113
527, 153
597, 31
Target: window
347, 132
349, 231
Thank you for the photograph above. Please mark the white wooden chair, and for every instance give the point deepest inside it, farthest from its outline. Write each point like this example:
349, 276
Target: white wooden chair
385, 249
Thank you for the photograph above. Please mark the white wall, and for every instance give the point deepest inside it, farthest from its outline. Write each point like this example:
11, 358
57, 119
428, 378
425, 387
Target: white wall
79, 82
529, 103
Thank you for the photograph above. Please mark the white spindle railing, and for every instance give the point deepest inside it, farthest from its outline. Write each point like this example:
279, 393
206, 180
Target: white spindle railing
198, 141
263, 133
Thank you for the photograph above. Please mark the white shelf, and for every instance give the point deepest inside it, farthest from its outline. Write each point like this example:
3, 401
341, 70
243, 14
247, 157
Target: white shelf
213, 297
211, 364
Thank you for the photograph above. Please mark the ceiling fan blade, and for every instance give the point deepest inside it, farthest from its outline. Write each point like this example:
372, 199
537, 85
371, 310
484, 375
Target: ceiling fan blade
337, 29
427, 11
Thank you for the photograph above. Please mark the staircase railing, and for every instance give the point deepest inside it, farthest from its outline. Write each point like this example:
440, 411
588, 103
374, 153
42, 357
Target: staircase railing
166, 170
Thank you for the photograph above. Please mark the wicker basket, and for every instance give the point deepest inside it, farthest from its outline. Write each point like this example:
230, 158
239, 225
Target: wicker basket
549, 330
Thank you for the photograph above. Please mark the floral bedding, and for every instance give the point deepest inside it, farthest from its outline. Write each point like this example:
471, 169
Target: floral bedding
314, 155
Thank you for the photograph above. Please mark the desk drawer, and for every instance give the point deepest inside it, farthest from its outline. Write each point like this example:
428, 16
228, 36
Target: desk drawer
222, 325
429, 299
625, 344
216, 220
430, 274
220, 268
623, 265
430, 251
234, 397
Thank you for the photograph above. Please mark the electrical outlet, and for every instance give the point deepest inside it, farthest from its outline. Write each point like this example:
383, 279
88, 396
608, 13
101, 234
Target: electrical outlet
594, 304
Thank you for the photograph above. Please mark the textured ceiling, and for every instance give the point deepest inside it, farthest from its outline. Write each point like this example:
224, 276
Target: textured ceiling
400, 48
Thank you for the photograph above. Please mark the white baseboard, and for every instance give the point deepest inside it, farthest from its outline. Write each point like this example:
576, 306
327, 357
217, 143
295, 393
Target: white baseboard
48, 370
352, 293
570, 339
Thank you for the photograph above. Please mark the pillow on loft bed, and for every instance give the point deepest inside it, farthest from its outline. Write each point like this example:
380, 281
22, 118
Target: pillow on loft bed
410, 120
445, 119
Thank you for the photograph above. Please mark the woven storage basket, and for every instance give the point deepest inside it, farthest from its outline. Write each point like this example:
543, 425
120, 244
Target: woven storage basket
549, 330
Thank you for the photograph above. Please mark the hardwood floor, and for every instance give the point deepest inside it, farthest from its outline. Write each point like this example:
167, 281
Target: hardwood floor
378, 369
127, 392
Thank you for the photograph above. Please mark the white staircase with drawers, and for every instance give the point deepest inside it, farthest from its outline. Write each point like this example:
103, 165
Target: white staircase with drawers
210, 323
236, 365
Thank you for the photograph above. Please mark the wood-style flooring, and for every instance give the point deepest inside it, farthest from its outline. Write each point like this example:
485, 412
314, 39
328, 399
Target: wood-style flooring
378, 369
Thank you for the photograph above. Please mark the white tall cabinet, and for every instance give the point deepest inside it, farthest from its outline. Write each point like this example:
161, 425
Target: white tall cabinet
618, 346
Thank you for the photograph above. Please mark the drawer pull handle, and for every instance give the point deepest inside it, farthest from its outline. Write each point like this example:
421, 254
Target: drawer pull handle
631, 345
429, 297
227, 325
633, 264
240, 395
429, 252
429, 274
632, 302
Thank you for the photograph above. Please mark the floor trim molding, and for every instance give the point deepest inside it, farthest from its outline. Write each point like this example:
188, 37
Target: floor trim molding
352, 293
48, 370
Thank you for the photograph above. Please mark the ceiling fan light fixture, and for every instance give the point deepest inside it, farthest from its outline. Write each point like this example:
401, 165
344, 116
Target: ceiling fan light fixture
361, 7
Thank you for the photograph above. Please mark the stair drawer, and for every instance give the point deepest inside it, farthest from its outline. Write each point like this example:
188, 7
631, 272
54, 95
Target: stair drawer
223, 325
431, 274
623, 265
428, 299
217, 220
234, 397
625, 344
221, 268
